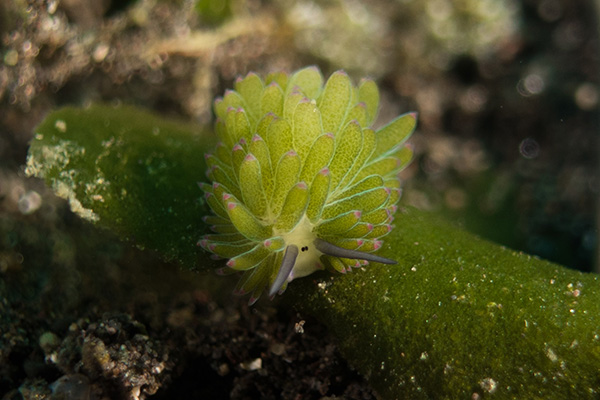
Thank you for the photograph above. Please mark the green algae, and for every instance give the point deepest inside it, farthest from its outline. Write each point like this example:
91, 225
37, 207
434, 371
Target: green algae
129, 171
458, 317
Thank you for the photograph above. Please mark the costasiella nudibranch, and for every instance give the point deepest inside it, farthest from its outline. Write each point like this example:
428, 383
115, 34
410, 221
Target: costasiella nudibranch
299, 180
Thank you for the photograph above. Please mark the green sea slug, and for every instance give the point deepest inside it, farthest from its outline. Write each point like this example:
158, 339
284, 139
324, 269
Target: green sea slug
300, 180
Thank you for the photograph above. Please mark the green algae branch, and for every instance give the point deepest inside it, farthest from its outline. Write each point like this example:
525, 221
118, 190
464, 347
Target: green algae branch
458, 317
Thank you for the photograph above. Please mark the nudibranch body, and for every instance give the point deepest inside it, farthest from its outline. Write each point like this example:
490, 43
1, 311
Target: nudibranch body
299, 179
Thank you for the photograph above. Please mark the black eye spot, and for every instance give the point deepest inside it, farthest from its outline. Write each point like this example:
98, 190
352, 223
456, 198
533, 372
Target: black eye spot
305, 248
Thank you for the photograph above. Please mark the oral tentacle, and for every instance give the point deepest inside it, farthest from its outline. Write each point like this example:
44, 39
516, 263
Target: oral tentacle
287, 265
336, 251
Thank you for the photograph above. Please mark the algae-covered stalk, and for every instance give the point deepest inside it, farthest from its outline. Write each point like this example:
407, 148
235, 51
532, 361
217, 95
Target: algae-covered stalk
456, 318
300, 180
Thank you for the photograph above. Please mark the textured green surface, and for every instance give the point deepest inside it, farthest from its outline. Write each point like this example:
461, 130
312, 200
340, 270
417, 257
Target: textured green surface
129, 171
313, 162
457, 316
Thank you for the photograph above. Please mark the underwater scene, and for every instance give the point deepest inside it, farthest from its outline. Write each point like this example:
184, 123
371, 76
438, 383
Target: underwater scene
299, 199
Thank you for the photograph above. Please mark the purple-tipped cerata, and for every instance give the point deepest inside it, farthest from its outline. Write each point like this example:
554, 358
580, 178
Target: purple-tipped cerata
301, 180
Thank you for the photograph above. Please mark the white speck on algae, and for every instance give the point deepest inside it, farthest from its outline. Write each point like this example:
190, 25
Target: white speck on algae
551, 354
488, 384
60, 125
53, 157
63, 190
57, 158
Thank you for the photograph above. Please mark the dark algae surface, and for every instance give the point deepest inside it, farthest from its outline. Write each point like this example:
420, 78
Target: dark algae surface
462, 317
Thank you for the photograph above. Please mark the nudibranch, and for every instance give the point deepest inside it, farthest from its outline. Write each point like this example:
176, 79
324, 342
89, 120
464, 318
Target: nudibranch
299, 180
